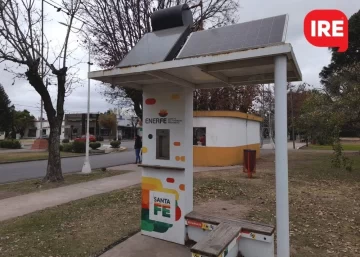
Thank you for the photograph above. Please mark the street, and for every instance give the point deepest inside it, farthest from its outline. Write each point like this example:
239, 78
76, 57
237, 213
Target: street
36, 169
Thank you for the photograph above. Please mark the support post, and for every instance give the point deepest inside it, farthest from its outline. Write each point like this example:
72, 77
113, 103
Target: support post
281, 158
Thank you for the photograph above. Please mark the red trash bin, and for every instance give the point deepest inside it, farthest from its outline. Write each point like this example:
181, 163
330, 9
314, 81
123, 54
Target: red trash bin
249, 163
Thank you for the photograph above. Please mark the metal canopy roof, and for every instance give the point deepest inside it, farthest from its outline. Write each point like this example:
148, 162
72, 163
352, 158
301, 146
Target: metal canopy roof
242, 67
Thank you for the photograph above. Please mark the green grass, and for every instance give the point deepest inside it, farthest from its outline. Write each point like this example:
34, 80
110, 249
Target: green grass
16, 157
346, 147
35, 185
324, 211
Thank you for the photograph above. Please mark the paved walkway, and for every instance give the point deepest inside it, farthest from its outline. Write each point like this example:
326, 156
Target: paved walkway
24, 204
290, 146
140, 246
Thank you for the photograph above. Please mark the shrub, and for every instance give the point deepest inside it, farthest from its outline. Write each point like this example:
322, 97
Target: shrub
79, 147
95, 145
115, 144
61, 148
68, 147
10, 144
99, 138
65, 140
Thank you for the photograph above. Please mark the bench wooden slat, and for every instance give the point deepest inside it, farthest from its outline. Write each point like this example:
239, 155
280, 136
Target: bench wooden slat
246, 225
217, 240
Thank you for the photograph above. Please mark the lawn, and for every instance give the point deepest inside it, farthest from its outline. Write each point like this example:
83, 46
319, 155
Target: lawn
35, 185
324, 211
347, 147
29, 156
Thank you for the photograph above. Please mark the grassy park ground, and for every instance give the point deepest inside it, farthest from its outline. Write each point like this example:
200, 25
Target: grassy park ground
324, 211
35, 185
346, 147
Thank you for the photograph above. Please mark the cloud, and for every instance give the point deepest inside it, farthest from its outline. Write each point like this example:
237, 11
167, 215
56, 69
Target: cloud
311, 59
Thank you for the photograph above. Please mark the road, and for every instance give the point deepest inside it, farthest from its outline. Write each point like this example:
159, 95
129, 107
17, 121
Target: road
36, 169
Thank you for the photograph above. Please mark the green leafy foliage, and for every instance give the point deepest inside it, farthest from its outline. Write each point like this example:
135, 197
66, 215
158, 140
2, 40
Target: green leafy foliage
5, 111
108, 120
67, 147
65, 140
350, 57
22, 120
79, 147
95, 145
320, 118
10, 144
115, 144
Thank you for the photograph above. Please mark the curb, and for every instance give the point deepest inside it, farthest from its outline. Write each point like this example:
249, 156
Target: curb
302, 147
74, 156
120, 150
42, 159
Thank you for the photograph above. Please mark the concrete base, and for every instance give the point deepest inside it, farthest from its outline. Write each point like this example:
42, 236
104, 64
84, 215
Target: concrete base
140, 246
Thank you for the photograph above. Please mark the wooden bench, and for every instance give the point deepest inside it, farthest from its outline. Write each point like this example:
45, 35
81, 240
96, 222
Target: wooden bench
218, 242
247, 226
218, 237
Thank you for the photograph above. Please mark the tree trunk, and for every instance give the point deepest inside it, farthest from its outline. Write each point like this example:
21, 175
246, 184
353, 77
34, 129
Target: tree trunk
53, 171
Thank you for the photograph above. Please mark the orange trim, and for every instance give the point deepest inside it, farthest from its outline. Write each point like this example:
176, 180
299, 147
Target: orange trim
162, 205
231, 114
221, 156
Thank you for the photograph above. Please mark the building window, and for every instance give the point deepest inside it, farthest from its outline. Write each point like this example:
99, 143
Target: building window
163, 144
199, 136
105, 132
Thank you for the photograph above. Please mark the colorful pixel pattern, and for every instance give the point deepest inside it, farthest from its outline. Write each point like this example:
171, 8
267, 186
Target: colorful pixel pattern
153, 184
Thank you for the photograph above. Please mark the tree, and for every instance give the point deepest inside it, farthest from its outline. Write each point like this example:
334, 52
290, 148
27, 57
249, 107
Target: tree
117, 25
108, 120
235, 98
322, 118
297, 94
349, 57
6, 110
22, 120
21, 44
134, 122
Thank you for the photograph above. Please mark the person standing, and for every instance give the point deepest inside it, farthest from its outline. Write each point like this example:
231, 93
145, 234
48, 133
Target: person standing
203, 140
138, 146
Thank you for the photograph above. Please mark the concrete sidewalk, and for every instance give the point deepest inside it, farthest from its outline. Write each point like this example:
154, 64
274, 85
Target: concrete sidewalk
298, 145
139, 246
25, 204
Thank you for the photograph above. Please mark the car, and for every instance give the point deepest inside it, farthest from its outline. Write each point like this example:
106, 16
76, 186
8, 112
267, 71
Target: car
92, 138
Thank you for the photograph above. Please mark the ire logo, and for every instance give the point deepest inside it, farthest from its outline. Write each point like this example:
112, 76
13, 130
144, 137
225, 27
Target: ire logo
327, 28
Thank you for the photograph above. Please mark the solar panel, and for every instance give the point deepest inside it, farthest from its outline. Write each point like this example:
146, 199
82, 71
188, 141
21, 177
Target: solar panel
158, 46
252, 34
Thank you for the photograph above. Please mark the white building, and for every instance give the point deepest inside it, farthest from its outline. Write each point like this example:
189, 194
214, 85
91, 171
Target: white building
125, 127
34, 130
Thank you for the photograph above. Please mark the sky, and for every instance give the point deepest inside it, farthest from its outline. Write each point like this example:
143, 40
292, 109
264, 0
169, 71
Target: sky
311, 59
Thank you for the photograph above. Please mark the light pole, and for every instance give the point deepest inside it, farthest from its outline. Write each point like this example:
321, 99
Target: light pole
86, 166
